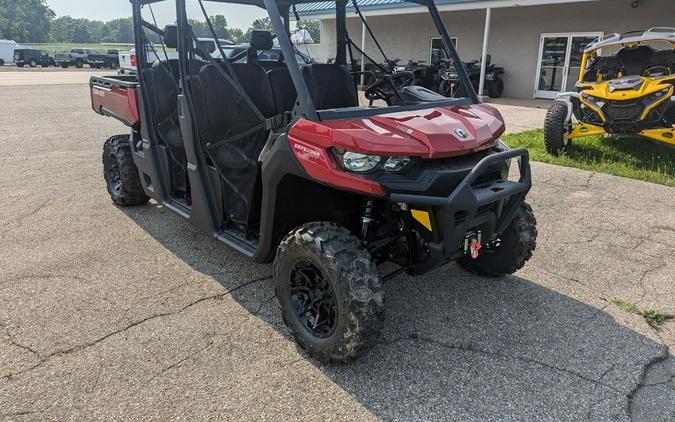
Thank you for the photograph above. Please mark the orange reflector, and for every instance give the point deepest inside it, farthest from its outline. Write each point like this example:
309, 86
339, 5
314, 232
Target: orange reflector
423, 218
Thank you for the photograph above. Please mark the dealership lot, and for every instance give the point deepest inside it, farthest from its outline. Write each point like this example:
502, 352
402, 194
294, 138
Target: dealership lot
134, 314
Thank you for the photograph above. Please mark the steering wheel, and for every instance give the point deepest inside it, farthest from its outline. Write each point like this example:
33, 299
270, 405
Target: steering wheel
388, 86
657, 71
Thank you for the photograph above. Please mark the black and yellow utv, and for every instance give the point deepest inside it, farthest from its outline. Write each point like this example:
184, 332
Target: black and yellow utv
625, 87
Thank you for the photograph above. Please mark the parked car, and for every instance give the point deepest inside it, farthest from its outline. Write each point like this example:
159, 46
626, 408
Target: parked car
77, 57
7, 48
110, 59
33, 58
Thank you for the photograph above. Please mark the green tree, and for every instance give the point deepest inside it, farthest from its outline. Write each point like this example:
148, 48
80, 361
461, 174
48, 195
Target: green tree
25, 20
119, 30
313, 26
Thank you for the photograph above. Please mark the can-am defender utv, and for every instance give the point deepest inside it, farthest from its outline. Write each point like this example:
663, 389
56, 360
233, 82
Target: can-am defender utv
279, 162
625, 87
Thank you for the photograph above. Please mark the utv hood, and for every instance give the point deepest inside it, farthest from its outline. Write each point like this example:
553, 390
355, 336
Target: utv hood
429, 133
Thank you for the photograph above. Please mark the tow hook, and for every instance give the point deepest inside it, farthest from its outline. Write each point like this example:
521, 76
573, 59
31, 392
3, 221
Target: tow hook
472, 244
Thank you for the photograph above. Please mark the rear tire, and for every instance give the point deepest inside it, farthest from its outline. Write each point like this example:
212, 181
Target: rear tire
64, 65
555, 129
515, 247
496, 89
2, 62
330, 293
19, 65
114, 65
120, 173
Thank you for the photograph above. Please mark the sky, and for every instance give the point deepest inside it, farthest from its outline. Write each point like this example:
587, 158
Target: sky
237, 16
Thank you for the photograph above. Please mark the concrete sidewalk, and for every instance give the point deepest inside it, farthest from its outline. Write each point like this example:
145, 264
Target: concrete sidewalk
521, 114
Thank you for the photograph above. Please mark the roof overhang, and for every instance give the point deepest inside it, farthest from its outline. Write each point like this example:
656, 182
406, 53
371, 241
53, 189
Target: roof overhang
442, 5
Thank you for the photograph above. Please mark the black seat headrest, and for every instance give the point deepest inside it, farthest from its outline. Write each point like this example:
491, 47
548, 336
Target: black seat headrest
261, 39
640, 55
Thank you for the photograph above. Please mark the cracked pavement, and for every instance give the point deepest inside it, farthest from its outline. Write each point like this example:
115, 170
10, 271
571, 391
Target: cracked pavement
134, 314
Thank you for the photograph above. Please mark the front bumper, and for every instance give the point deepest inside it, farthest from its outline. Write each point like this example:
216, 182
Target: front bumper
489, 206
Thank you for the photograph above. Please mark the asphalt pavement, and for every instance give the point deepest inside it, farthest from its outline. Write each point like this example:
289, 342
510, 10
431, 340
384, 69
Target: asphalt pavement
133, 314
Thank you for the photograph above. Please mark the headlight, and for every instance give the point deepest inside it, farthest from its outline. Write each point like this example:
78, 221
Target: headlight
362, 163
357, 162
396, 163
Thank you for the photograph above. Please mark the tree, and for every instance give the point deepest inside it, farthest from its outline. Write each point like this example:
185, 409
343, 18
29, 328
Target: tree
260, 23
313, 26
25, 20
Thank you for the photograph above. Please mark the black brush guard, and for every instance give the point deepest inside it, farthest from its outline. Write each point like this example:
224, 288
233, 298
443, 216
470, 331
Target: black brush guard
461, 210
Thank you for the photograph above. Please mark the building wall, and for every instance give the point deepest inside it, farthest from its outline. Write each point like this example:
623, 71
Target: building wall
515, 33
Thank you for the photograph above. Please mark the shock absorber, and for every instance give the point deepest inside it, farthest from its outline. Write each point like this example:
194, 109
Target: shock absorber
366, 218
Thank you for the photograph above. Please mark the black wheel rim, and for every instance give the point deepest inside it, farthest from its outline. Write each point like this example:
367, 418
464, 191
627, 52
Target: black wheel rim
313, 299
114, 174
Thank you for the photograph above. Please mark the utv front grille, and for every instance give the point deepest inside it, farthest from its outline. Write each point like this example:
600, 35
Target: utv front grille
623, 116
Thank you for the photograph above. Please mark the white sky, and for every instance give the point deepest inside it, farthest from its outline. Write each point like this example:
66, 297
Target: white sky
237, 16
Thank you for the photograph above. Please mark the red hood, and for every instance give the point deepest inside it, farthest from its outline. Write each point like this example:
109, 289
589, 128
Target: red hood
430, 133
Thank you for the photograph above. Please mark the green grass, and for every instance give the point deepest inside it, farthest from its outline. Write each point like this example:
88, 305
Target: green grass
627, 156
654, 317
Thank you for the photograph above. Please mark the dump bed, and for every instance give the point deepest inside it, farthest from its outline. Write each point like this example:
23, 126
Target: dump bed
116, 96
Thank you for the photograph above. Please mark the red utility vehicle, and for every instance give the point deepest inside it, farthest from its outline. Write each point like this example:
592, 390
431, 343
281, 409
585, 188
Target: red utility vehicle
281, 162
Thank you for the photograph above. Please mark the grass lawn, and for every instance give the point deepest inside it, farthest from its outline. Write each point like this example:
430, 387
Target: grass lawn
626, 156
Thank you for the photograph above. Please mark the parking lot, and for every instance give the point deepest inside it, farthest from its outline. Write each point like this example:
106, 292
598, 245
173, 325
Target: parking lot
128, 314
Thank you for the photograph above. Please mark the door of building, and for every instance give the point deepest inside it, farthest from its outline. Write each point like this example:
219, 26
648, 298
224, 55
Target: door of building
560, 62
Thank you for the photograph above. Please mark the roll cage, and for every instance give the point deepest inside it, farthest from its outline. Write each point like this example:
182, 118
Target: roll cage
279, 12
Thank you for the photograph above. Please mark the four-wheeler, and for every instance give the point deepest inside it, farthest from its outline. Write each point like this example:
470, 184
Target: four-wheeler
284, 165
625, 87
449, 81
33, 58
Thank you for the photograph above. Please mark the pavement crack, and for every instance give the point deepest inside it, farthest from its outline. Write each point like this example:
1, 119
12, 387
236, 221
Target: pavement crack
181, 361
84, 346
507, 356
665, 352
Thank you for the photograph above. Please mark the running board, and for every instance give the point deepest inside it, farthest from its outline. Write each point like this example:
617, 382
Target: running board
234, 240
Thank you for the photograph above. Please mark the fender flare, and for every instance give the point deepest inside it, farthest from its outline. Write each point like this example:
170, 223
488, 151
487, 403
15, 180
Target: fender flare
564, 97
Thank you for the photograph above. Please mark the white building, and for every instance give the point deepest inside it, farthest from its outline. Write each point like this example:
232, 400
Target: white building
538, 42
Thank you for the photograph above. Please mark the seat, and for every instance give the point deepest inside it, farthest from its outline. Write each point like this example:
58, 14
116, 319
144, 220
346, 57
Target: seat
232, 127
259, 40
162, 85
283, 89
330, 86
635, 61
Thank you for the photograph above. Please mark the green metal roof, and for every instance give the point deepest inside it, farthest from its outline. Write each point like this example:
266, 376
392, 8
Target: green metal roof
326, 7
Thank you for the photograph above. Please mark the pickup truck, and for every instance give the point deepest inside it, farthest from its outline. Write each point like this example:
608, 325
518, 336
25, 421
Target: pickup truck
110, 59
77, 57
128, 60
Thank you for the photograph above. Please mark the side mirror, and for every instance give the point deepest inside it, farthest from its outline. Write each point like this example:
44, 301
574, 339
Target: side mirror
171, 36
488, 59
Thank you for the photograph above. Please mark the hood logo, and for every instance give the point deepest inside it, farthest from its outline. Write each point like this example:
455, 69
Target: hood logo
461, 133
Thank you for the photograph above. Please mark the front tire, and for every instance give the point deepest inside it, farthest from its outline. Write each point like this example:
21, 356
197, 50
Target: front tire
330, 294
120, 173
511, 251
556, 128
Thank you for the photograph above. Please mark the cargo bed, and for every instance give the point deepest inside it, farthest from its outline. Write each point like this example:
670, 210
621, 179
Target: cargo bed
116, 96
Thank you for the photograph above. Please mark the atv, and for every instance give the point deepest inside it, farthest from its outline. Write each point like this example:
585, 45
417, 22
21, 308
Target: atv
280, 162
625, 87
